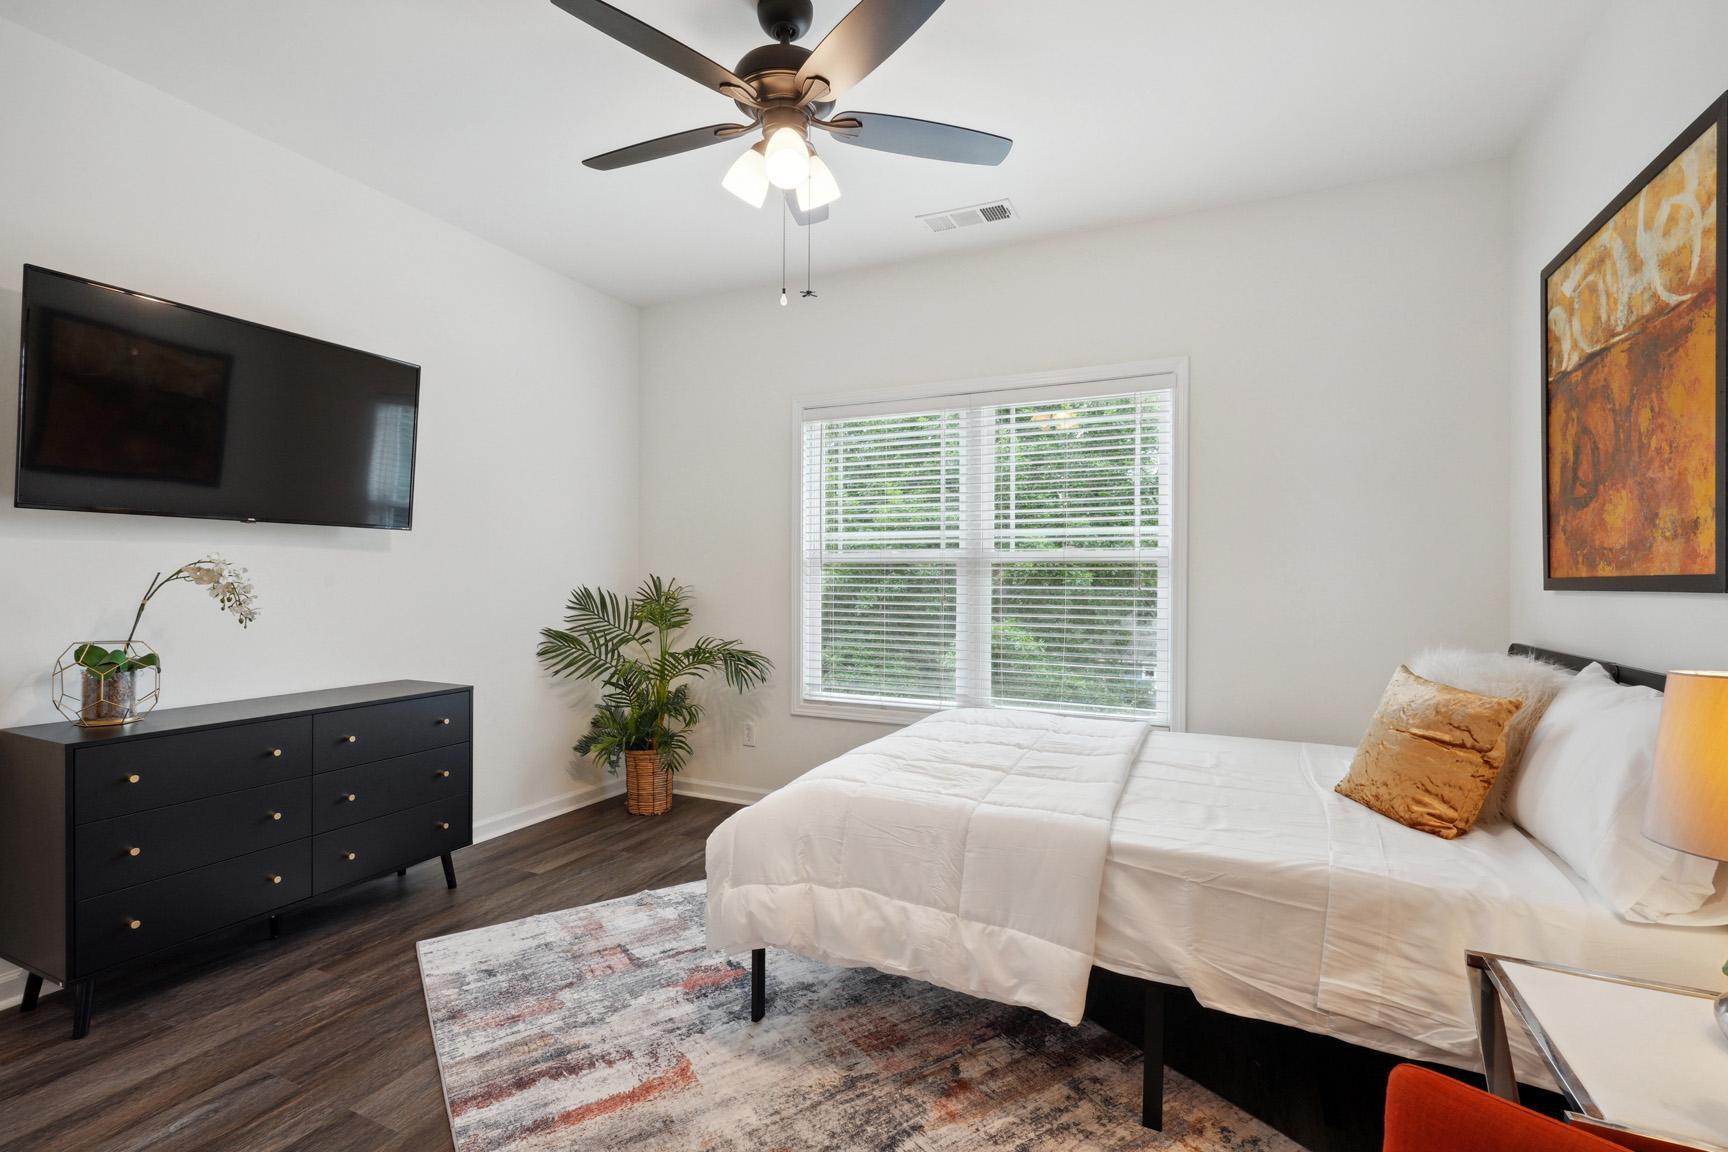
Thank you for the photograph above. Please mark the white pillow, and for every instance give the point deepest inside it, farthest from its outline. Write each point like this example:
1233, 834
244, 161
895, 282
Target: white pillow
1509, 677
1581, 795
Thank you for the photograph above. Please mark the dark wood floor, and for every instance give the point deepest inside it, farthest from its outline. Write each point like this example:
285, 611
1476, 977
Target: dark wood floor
317, 1040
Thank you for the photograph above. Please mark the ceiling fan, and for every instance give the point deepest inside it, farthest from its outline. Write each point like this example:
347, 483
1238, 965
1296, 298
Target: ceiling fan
786, 90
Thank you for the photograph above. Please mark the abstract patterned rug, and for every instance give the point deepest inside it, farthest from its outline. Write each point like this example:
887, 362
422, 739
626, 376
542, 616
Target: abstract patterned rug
611, 1026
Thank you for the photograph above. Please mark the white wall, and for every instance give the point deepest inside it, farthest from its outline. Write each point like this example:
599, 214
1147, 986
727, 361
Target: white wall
1648, 72
1348, 463
528, 420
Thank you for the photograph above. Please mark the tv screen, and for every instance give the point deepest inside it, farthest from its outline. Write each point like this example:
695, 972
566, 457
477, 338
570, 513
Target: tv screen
127, 403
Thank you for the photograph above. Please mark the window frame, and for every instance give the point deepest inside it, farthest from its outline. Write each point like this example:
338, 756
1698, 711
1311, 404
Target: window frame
1167, 374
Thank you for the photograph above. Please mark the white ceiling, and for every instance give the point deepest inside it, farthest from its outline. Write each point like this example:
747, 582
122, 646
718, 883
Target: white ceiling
480, 111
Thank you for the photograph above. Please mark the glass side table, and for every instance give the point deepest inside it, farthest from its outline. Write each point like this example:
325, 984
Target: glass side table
1640, 1063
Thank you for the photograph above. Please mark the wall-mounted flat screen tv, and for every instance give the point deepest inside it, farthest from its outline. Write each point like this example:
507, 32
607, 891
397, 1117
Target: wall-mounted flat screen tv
129, 403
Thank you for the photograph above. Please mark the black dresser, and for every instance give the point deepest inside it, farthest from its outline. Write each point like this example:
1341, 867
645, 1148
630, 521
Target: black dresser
119, 843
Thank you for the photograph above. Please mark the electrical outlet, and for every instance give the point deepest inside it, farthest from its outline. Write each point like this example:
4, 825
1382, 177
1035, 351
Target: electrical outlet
749, 734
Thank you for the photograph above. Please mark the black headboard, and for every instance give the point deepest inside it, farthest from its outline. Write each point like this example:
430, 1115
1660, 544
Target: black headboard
1622, 673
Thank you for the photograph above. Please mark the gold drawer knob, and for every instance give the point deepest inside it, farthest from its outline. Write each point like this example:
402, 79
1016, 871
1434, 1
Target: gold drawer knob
350, 739
134, 851
444, 720
275, 879
275, 751
442, 825
133, 779
350, 797
443, 773
275, 815
134, 924
348, 855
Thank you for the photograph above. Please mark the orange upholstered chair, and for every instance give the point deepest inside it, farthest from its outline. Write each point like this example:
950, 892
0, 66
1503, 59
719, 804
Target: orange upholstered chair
1428, 1112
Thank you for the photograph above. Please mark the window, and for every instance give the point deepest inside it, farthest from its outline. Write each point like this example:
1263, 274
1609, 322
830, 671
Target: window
1011, 545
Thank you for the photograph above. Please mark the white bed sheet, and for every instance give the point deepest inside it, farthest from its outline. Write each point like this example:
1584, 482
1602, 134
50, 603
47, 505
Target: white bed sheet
1235, 870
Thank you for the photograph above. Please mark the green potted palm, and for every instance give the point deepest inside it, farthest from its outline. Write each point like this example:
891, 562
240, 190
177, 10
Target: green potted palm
627, 645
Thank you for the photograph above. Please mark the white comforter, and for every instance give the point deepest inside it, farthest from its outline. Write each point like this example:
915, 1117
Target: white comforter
966, 850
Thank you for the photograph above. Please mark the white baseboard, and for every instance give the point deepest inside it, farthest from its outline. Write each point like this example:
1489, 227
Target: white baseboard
685, 785
518, 818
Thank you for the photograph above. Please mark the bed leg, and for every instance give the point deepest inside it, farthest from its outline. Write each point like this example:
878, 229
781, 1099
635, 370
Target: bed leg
758, 983
1152, 1048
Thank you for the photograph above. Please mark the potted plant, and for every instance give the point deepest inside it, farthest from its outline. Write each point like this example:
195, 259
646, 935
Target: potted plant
626, 645
106, 673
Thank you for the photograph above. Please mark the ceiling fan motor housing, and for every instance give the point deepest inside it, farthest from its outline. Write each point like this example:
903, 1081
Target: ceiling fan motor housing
772, 70
785, 20
771, 58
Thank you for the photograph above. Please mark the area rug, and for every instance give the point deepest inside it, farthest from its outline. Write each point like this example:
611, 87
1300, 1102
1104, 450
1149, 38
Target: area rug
612, 1026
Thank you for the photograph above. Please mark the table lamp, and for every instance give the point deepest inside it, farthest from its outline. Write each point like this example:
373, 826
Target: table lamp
1688, 806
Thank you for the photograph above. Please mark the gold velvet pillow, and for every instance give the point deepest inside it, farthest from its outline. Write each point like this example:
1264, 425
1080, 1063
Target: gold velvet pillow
1431, 755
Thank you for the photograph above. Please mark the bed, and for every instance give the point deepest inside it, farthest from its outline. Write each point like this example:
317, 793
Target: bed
1228, 866
1236, 872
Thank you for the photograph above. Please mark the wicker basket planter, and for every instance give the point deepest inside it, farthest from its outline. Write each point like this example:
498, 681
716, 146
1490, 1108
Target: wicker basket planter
648, 787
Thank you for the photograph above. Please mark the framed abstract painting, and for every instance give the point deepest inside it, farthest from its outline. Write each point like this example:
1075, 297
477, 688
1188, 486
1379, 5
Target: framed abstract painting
1635, 383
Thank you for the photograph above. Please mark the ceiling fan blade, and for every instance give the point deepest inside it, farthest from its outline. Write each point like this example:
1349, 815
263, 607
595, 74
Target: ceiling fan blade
864, 38
664, 146
911, 137
803, 218
655, 45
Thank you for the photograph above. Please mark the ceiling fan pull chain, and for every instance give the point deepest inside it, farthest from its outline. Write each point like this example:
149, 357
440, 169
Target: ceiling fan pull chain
785, 211
809, 243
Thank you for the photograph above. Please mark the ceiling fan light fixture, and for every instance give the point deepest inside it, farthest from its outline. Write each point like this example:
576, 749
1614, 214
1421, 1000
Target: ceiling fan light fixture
819, 188
787, 159
747, 179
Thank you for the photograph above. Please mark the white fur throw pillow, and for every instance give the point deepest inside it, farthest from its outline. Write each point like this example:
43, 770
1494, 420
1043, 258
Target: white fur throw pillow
1497, 674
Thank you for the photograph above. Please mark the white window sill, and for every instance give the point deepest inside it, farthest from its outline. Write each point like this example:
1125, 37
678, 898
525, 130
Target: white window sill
897, 715
900, 715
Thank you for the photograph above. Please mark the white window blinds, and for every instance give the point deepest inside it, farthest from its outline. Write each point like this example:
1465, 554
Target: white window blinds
987, 551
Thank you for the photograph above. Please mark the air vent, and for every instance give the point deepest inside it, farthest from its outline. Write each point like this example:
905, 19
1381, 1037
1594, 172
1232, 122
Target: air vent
992, 213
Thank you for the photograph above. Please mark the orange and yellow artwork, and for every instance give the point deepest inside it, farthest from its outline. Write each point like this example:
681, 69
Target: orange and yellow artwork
1632, 376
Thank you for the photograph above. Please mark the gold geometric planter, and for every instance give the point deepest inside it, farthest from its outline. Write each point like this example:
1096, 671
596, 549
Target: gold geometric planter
94, 701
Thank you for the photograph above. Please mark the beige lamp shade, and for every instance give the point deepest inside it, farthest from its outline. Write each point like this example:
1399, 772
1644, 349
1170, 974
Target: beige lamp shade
1688, 806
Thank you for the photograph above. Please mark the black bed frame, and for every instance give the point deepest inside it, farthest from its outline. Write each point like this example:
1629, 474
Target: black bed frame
1152, 993
1622, 673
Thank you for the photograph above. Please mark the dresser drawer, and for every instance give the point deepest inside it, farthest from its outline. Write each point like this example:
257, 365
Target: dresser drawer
381, 731
377, 846
175, 909
350, 795
114, 779
144, 846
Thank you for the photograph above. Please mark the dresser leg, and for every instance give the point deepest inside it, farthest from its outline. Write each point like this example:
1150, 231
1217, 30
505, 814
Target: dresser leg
32, 990
83, 998
401, 872
449, 870
275, 927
